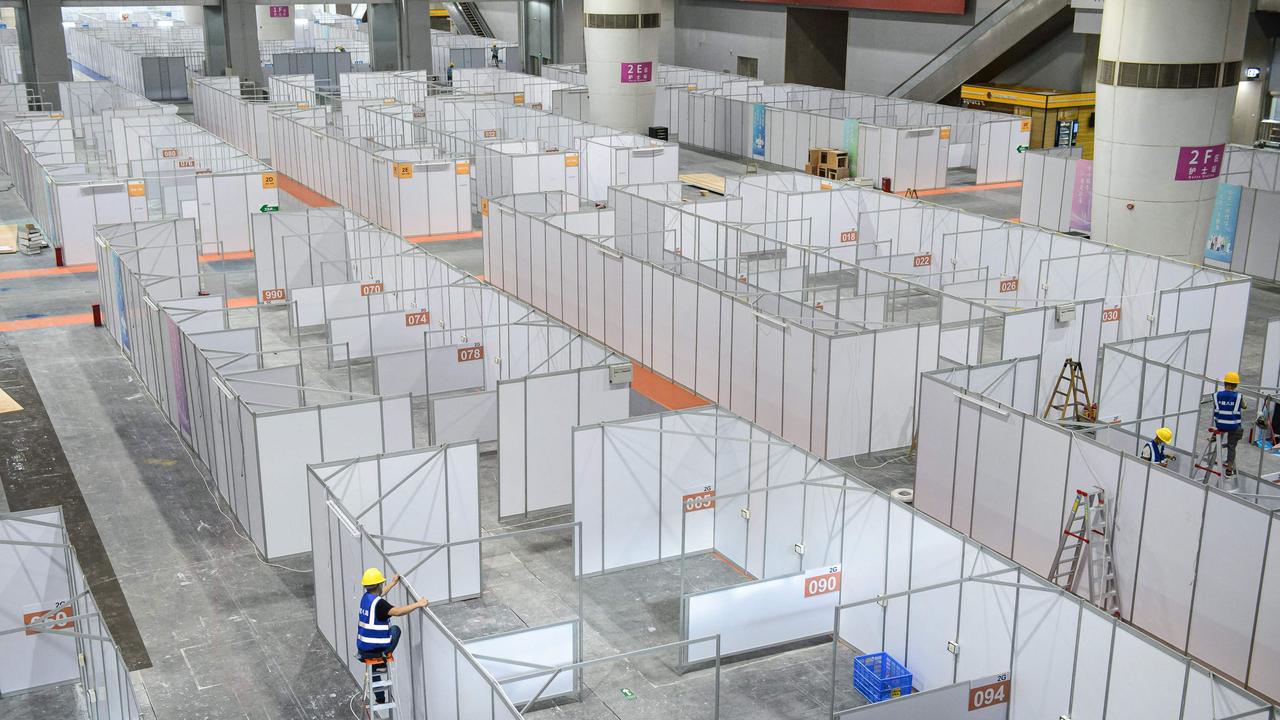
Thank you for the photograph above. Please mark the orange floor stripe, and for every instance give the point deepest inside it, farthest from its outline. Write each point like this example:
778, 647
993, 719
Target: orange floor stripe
46, 322
309, 197
966, 188
247, 301
416, 239
42, 272
663, 391
213, 257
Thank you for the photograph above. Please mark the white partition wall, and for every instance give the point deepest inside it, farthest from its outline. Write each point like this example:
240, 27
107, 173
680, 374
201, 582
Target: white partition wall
50, 629
1191, 561
1057, 190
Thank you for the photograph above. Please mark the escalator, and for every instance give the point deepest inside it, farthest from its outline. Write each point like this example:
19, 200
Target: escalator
467, 19
982, 45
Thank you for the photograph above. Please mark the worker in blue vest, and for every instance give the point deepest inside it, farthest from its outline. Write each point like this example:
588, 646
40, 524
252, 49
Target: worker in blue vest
1157, 449
1228, 416
376, 637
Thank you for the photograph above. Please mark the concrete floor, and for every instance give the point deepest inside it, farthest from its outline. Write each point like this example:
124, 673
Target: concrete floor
211, 632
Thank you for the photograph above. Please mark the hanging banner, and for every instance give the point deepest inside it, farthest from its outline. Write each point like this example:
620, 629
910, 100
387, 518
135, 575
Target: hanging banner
179, 376
757, 131
851, 144
118, 276
1222, 226
1082, 197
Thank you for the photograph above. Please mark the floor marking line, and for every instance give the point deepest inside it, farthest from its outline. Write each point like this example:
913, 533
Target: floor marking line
46, 271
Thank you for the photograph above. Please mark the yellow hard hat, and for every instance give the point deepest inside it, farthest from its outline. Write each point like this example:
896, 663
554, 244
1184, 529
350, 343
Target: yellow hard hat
1232, 377
1165, 435
372, 576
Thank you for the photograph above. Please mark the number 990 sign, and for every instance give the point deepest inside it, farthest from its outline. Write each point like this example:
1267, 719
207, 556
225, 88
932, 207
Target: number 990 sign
989, 692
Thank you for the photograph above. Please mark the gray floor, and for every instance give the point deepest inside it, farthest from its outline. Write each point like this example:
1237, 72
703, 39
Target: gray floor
231, 637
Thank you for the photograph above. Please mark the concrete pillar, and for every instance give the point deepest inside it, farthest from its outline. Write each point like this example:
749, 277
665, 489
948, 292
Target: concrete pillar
43, 46
400, 35
622, 38
193, 15
1166, 92
274, 28
231, 40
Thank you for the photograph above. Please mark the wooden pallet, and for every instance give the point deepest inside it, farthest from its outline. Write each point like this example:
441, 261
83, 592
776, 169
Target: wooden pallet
704, 181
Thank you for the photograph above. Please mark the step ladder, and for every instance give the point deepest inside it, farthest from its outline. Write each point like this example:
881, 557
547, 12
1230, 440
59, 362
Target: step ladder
379, 703
1210, 469
1087, 537
1071, 395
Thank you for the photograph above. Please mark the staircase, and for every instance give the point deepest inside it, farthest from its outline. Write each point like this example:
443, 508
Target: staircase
467, 19
978, 47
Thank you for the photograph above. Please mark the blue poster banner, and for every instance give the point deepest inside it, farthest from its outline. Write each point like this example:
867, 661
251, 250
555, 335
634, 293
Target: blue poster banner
118, 272
757, 131
851, 144
1222, 227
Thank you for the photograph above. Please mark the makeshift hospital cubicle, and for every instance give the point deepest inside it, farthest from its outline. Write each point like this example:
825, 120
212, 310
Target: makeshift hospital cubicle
236, 111
411, 190
537, 93
92, 165
469, 51
51, 630
149, 61
820, 555
241, 393
1057, 190
1243, 234
1192, 565
416, 514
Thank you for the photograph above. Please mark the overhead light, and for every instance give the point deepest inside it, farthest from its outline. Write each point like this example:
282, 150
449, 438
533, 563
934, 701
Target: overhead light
1252, 73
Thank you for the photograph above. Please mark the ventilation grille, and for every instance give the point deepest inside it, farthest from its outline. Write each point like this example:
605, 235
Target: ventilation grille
620, 21
1169, 76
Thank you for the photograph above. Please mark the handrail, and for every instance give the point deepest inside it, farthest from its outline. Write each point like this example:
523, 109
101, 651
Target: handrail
927, 66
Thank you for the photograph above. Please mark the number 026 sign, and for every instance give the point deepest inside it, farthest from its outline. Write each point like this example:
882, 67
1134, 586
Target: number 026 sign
826, 582
988, 692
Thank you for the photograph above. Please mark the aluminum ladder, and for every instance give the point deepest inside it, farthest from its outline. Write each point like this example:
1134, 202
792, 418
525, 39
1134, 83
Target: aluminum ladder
379, 703
1088, 531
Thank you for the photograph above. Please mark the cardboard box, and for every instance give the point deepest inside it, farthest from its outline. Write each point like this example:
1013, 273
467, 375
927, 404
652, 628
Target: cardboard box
815, 155
810, 169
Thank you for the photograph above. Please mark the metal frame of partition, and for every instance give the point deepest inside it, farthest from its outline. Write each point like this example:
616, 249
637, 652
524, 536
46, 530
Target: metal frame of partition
1168, 500
96, 649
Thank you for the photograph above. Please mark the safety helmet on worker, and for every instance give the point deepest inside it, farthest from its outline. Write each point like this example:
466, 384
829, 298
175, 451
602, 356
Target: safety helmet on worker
372, 576
1165, 435
1231, 378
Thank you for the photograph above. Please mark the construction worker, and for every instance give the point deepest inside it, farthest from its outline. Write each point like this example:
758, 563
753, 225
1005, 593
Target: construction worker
1228, 412
1156, 450
495, 54
448, 75
376, 637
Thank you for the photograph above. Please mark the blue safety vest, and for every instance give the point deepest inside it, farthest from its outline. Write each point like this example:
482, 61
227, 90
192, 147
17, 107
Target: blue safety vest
370, 634
1157, 451
1227, 409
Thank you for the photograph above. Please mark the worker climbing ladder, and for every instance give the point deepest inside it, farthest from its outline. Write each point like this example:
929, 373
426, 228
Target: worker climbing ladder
378, 701
1086, 540
1071, 395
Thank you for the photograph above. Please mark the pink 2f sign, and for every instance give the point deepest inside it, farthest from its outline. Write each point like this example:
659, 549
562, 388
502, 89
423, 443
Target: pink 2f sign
1199, 163
279, 11
641, 72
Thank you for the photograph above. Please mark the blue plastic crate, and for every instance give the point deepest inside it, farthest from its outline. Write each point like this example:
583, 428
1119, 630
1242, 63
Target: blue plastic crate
879, 677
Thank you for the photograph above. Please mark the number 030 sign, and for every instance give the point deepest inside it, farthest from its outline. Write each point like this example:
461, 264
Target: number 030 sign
988, 692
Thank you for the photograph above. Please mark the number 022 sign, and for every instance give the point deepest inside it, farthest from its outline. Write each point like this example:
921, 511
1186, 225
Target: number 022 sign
827, 581
988, 692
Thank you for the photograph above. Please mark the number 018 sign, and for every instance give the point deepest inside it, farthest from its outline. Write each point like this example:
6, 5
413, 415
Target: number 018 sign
988, 692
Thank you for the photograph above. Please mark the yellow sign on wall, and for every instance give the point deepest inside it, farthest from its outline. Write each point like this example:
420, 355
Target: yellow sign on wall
518, 99
462, 167
137, 189
484, 207
269, 181
944, 133
1026, 126
403, 171
571, 160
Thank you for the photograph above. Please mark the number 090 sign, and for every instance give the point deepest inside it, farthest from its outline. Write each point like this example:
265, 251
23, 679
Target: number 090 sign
828, 581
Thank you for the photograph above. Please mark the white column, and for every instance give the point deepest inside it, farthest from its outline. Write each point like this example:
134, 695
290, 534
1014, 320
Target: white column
621, 63
274, 28
1147, 137
193, 15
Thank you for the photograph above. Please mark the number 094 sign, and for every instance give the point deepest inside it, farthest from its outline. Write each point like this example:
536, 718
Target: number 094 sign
988, 692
